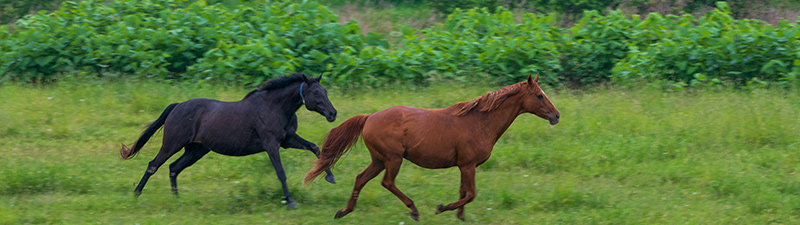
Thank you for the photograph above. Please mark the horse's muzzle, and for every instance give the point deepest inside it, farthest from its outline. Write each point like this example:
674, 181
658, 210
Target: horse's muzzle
330, 116
554, 119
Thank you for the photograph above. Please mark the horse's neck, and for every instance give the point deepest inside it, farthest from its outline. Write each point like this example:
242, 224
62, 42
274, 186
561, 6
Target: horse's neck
284, 99
497, 121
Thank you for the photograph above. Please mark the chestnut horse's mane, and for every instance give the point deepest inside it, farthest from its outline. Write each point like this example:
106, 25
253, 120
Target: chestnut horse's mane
490, 101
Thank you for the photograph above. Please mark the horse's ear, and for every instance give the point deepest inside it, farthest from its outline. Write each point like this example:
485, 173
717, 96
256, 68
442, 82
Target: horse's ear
319, 78
530, 82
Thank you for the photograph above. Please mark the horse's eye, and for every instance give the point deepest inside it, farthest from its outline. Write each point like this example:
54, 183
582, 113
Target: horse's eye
540, 96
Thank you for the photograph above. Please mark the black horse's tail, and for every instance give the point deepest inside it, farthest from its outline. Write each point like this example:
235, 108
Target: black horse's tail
127, 153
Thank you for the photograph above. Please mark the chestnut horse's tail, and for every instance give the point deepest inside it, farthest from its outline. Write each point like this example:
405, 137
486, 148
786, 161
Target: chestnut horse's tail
337, 142
128, 153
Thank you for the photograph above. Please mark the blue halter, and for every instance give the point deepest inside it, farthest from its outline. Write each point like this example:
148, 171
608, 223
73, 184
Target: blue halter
301, 93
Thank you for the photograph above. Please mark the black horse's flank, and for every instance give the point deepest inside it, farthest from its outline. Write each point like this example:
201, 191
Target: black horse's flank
263, 121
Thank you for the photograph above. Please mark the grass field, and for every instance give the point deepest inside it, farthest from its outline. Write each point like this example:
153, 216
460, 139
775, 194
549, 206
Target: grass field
634, 156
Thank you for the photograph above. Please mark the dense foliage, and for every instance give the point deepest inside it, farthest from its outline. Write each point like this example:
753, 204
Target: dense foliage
713, 49
170, 39
167, 39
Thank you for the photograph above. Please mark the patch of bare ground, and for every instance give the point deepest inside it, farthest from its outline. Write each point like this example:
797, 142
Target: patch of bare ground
753, 9
384, 17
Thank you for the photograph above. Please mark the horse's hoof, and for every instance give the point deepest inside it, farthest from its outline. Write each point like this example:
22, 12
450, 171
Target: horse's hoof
461, 217
136, 194
414, 216
292, 205
339, 214
330, 179
439, 209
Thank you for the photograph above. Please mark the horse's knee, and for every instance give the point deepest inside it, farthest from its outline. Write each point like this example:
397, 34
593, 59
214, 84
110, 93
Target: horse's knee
470, 196
387, 184
151, 169
361, 176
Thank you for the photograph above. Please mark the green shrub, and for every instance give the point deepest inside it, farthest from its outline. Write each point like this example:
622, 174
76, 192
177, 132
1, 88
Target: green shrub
476, 41
168, 39
174, 39
715, 49
594, 45
283, 38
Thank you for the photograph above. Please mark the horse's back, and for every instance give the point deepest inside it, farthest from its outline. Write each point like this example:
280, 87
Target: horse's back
225, 127
192, 110
423, 136
404, 117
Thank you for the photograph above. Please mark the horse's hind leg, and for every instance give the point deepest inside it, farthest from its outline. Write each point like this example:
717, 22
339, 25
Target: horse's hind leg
374, 168
167, 150
192, 153
392, 168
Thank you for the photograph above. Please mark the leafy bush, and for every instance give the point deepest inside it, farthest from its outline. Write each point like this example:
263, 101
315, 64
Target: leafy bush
474, 42
170, 39
593, 46
715, 49
282, 38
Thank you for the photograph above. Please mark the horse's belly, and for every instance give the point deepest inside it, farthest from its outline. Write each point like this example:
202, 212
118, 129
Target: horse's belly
230, 142
238, 152
431, 159
242, 151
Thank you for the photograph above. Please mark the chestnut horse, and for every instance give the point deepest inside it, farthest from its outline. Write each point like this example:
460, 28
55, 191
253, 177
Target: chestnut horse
460, 135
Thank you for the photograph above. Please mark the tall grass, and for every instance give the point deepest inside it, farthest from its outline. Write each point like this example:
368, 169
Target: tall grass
630, 156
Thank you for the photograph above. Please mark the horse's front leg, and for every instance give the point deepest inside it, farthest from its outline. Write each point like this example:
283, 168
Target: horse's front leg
295, 141
275, 159
467, 190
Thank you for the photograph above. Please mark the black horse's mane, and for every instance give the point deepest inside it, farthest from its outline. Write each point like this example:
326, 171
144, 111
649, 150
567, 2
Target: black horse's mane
279, 82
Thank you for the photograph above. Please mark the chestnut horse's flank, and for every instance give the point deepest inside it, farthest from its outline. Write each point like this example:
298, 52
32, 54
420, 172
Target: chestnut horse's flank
461, 135
263, 121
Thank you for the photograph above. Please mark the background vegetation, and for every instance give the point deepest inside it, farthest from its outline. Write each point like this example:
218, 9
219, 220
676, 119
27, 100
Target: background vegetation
196, 42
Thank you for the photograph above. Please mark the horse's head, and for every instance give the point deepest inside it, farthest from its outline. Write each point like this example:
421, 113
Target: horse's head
315, 98
536, 102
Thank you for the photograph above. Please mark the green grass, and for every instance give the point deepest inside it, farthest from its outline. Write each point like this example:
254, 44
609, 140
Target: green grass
635, 156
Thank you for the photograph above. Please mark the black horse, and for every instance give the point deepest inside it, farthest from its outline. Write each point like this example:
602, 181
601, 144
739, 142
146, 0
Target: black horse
263, 121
